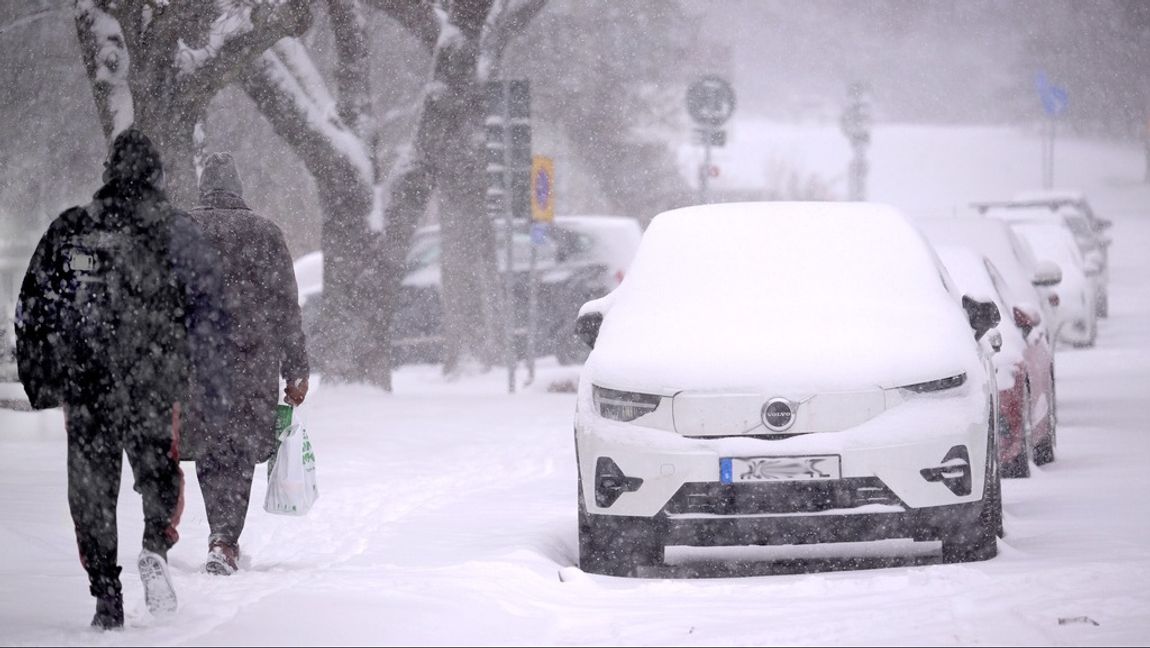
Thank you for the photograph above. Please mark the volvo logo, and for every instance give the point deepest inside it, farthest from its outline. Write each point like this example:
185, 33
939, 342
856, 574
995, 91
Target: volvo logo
778, 414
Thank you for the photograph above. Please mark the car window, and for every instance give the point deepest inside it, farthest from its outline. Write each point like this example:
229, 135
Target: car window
1000, 287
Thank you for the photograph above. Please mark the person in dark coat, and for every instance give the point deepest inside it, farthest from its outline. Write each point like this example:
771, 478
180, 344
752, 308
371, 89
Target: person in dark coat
265, 342
118, 310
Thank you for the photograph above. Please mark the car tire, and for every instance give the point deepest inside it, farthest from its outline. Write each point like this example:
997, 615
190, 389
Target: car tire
979, 541
1019, 467
1092, 333
616, 545
1044, 452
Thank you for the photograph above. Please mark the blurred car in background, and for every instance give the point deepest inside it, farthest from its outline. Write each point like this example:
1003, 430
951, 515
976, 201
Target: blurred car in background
1071, 209
785, 373
1024, 365
1077, 320
581, 258
1031, 282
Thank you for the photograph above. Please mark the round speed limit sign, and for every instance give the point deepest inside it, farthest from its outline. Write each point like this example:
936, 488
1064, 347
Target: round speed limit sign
711, 100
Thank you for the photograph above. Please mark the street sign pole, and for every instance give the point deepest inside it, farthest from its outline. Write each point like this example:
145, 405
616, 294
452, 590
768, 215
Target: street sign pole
508, 149
542, 213
856, 125
1054, 100
710, 102
705, 172
509, 270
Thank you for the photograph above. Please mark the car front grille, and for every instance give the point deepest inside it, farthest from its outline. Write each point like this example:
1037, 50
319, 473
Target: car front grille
709, 498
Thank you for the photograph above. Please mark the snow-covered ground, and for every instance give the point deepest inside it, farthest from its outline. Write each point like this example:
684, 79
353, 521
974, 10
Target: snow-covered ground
447, 516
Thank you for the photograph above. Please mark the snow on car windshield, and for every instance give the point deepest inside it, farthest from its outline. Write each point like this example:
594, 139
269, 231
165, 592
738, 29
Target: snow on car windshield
766, 295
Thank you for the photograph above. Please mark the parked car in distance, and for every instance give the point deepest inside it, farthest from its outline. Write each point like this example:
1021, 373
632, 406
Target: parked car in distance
1032, 283
783, 373
1077, 321
1024, 366
583, 257
1072, 209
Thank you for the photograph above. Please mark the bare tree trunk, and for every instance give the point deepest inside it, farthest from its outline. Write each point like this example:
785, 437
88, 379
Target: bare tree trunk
288, 91
472, 292
446, 119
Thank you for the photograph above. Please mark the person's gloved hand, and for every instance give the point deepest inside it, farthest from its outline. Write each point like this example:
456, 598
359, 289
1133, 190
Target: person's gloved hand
295, 392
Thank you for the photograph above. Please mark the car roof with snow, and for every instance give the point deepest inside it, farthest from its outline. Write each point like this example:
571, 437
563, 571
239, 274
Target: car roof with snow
790, 292
992, 238
1051, 240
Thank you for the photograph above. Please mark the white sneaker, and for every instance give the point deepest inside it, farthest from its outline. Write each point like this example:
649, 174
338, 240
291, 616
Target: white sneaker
158, 592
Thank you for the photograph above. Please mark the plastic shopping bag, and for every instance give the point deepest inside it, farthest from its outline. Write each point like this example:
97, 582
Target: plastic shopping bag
291, 473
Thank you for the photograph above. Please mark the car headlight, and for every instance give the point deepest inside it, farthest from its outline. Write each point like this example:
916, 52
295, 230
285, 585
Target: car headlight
623, 405
941, 384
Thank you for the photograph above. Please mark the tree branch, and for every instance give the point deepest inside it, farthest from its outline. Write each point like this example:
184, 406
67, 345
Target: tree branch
106, 59
416, 16
511, 19
240, 33
349, 27
504, 25
318, 136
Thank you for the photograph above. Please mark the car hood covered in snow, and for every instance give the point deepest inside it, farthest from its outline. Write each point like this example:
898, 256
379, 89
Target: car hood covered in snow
801, 297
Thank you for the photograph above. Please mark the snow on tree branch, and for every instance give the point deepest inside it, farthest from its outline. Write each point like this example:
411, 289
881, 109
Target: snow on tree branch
282, 83
107, 61
232, 23
510, 19
241, 29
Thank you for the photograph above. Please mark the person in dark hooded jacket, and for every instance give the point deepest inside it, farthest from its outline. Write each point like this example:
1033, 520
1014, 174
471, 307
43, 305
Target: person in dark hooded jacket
265, 342
118, 310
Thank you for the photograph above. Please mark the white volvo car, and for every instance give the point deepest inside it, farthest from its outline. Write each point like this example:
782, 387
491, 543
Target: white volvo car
785, 373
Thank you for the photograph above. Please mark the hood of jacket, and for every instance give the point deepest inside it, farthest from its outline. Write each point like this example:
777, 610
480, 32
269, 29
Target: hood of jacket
220, 184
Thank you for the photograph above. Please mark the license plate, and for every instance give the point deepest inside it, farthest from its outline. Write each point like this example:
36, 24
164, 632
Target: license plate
749, 470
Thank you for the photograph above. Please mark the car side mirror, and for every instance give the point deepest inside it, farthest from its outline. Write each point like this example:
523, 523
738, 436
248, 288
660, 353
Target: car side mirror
983, 315
994, 337
1026, 317
587, 327
1047, 273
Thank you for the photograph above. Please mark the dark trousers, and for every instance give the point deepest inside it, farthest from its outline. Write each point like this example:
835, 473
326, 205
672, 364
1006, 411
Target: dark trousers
226, 482
98, 437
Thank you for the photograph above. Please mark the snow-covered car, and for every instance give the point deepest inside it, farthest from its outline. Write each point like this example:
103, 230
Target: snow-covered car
1077, 321
1072, 209
783, 373
1092, 243
1024, 366
582, 257
1032, 283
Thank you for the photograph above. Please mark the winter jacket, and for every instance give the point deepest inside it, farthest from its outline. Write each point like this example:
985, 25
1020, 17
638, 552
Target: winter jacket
266, 339
122, 300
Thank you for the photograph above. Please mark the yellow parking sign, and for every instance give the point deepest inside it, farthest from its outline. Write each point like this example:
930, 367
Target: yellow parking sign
542, 189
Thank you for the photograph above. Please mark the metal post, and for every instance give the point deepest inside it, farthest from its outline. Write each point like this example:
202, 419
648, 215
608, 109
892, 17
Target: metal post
532, 313
509, 271
705, 172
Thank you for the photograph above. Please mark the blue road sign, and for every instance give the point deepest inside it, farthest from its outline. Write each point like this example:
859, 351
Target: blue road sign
1054, 98
538, 233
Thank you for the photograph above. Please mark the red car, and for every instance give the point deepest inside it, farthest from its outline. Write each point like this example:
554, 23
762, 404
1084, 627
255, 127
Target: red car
1024, 366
